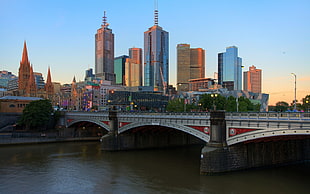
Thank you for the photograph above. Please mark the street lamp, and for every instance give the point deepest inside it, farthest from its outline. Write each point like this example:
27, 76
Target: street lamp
295, 91
214, 96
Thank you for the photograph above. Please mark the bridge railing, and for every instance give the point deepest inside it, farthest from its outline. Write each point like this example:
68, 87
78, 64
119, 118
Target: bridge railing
304, 116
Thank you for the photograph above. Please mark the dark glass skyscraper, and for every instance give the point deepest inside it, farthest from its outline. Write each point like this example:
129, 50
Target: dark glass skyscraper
104, 51
156, 57
230, 69
119, 67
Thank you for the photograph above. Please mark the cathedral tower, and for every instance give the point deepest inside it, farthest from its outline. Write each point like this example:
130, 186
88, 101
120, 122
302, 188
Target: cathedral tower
24, 72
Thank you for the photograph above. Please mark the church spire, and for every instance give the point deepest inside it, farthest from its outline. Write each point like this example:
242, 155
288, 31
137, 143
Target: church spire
49, 87
25, 54
49, 79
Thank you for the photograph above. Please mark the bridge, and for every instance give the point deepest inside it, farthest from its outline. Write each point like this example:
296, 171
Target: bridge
240, 127
236, 139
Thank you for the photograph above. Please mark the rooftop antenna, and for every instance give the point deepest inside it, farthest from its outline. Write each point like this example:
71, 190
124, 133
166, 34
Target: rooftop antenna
104, 20
156, 13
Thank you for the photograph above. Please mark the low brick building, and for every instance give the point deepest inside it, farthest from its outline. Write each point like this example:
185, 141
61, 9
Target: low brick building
15, 104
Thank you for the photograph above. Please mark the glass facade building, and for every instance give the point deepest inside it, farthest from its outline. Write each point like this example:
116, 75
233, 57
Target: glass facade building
156, 57
230, 69
119, 69
136, 55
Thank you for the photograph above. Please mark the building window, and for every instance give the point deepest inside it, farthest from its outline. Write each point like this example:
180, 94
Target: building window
12, 106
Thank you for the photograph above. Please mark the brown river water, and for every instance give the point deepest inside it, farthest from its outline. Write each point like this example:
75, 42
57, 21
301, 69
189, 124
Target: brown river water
83, 168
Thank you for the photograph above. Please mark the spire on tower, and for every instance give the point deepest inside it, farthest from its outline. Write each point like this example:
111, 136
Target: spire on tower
104, 20
156, 13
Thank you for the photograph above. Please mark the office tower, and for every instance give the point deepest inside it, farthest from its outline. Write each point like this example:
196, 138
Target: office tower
230, 69
136, 55
104, 51
119, 69
5, 77
132, 72
190, 65
252, 80
39, 80
89, 75
156, 57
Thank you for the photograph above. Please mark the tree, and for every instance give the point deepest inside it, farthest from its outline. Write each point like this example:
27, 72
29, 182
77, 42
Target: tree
281, 106
306, 103
176, 105
36, 114
229, 104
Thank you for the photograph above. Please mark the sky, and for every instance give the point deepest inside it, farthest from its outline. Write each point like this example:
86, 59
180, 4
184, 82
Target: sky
273, 35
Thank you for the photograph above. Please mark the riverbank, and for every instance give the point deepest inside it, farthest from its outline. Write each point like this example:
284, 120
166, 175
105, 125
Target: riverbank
39, 140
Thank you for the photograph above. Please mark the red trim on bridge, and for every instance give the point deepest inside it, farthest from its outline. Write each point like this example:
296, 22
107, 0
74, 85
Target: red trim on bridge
235, 131
70, 120
122, 124
204, 129
106, 122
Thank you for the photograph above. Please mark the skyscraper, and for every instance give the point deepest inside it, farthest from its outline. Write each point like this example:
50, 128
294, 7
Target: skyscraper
156, 57
252, 80
104, 51
190, 65
132, 73
119, 69
230, 69
136, 55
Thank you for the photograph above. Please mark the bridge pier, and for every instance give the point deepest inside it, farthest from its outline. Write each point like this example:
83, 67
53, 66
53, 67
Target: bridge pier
111, 141
217, 157
214, 153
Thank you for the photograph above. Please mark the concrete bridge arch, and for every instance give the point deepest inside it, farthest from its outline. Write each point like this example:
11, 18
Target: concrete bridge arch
95, 121
200, 135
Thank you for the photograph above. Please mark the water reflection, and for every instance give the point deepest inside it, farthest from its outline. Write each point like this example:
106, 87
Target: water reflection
84, 168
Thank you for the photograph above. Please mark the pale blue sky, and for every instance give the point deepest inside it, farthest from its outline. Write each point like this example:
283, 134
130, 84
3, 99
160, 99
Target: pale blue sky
273, 35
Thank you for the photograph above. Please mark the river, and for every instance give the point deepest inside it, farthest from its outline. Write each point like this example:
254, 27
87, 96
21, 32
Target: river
83, 168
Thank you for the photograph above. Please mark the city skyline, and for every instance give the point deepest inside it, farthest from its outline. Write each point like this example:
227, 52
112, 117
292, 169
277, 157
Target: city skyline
273, 36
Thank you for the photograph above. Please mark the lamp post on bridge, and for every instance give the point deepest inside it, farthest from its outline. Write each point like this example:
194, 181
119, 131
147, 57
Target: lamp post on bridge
294, 91
213, 96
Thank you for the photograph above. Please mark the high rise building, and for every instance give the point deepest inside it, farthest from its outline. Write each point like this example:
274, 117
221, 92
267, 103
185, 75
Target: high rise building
119, 69
89, 75
230, 69
5, 77
132, 73
252, 80
39, 80
136, 55
190, 65
104, 51
156, 57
